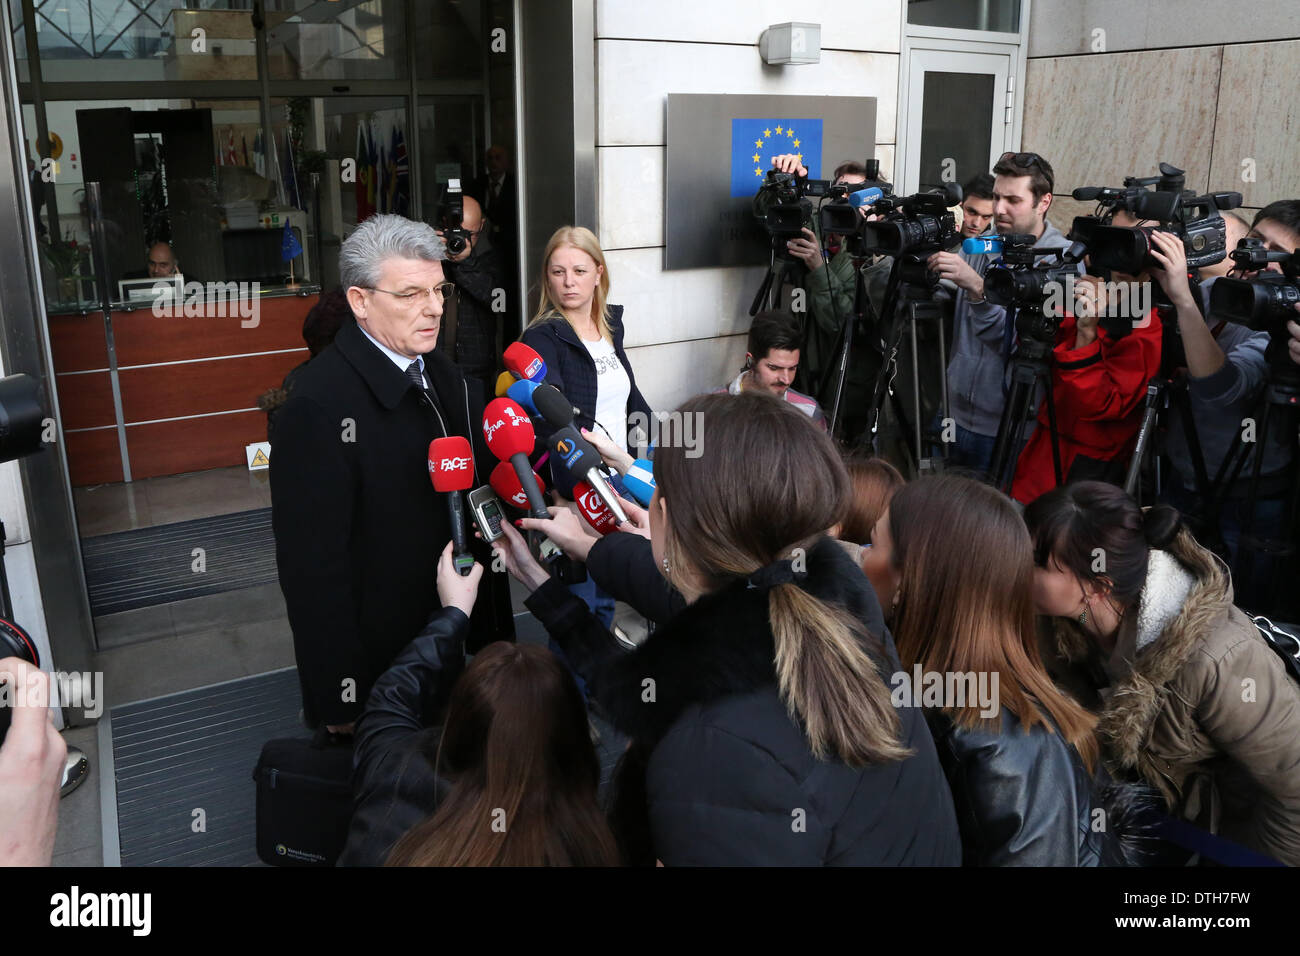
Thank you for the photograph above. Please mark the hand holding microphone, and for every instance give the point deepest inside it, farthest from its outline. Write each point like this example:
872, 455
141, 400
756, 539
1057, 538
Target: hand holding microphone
457, 588
564, 529
614, 456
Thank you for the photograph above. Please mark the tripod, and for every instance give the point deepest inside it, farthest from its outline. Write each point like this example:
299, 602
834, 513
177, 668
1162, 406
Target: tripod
1030, 367
909, 302
844, 348
780, 272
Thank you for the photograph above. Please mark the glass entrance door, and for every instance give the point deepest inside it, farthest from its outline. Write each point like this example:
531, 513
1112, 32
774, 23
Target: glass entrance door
960, 116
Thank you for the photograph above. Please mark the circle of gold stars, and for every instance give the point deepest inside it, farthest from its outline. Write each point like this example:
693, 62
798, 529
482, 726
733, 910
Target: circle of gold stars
781, 131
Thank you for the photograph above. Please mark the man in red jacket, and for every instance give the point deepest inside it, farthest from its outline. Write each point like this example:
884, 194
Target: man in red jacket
1099, 380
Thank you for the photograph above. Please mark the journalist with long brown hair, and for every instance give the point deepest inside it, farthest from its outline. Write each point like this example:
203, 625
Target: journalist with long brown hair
957, 564
507, 779
761, 723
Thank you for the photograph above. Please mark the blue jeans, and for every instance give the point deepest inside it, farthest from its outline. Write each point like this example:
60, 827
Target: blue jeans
600, 602
971, 450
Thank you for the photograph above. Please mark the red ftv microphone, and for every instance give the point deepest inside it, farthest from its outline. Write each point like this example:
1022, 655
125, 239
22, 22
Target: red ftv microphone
451, 466
593, 509
506, 484
509, 434
522, 361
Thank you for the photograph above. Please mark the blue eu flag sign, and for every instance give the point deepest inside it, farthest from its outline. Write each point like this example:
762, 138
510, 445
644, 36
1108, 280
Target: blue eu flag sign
754, 143
290, 247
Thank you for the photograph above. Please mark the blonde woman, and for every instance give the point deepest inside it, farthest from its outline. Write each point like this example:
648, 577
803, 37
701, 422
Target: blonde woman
580, 337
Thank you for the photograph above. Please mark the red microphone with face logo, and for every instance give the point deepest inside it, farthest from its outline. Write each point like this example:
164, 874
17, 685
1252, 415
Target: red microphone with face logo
451, 466
510, 437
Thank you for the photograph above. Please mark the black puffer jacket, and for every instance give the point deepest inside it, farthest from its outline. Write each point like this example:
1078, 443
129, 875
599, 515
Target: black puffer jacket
394, 786
718, 772
1023, 799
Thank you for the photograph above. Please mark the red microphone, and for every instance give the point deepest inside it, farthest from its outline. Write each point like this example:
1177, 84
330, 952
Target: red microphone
591, 507
509, 434
522, 361
451, 466
506, 484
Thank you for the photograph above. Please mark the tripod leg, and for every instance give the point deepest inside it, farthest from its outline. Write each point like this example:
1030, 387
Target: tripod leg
916, 389
1010, 430
943, 384
1053, 435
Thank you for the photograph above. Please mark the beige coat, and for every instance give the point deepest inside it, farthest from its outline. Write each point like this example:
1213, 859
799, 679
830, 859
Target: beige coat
1195, 703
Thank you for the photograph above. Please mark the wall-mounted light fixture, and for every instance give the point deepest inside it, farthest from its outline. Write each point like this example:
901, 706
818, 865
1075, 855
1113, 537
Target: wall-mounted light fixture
791, 43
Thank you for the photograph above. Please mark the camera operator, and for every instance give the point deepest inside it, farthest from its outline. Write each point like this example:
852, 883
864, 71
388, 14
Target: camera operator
1278, 224
477, 273
982, 337
831, 285
1225, 373
976, 220
1099, 377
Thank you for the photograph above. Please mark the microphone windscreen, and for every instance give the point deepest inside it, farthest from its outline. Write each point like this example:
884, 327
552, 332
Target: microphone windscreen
952, 194
640, 481
865, 197
522, 361
521, 391
552, 405
507, 429
506, 484
593, 509
1086, 193
451, 463
574, 451
504, 381
981, 245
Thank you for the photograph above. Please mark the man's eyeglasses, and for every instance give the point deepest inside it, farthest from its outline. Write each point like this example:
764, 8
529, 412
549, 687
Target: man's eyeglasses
1026, 160
413, 300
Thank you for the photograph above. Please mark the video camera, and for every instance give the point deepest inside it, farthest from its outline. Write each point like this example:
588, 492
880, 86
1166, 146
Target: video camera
1196, 220
1016, 282
1262, 303
841, 216
451, 218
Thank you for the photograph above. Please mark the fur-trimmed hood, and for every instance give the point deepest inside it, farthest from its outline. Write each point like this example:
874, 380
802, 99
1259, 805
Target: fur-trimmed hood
1195, 703
1184, 604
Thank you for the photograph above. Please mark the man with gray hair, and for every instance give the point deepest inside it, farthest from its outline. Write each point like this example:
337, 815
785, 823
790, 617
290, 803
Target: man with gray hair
358, 525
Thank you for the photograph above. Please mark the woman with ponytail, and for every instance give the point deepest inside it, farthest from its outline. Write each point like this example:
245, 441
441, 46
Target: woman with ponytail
762, 730
1020, 755
1190, 699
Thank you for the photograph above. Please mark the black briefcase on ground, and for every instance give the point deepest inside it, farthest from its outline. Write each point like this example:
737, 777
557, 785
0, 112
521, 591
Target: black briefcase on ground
304, 799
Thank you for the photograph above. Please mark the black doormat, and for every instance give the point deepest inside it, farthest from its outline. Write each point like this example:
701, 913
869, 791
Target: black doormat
182, 791
172, 562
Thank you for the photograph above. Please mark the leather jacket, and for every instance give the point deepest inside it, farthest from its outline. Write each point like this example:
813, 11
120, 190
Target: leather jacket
394, 786
1022, 799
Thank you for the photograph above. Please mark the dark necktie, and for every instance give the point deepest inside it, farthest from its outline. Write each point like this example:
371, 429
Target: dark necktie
417, 379
415, 375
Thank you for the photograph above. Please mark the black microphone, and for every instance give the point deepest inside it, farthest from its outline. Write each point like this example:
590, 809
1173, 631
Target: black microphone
584, 462
553, 406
